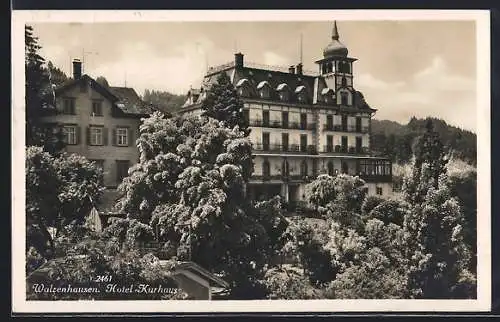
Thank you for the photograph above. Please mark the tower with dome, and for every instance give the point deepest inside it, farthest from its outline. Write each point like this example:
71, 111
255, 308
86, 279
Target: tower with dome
303, 124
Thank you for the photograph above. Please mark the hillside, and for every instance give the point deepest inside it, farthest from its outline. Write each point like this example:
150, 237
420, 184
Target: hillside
165, 101
395, 140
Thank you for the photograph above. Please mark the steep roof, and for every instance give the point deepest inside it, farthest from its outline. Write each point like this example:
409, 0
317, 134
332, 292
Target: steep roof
124, 98
129, 102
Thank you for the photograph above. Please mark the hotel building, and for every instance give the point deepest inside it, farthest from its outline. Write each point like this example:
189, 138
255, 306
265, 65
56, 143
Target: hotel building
303, 124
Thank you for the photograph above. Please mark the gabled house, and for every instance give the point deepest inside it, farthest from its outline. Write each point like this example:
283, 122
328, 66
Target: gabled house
99, 122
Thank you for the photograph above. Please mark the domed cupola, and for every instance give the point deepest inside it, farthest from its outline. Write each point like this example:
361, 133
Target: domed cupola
335, 48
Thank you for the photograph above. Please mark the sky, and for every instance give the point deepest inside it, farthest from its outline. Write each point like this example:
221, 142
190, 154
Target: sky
404, 68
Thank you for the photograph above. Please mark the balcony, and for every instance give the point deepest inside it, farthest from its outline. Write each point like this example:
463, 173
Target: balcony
345, 128
294, 148
281, 125
345, 149
280, 177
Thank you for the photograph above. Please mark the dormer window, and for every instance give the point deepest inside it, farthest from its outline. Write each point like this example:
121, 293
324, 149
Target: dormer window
243, 87
327, 94
300, 91
264, 89
284, 92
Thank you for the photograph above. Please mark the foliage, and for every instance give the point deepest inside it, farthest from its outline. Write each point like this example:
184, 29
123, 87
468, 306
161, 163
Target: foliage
39, 95
59, 190
98, 255
189, 187
167, 102
306, 241
101, 80
223, 103
288, 283
389, 138
438, 255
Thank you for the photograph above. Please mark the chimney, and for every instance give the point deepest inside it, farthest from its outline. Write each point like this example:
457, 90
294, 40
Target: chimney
299, 69
238, 60
77, 69
291, 69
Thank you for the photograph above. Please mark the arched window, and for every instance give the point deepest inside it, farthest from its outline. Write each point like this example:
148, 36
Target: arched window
345, 167
285, 169
330, 168
303, 168
344, 81
266, 172
344, 98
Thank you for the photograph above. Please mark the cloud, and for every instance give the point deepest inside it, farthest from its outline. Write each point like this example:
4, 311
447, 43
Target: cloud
433, 91
143, 67
273, 59
369, 81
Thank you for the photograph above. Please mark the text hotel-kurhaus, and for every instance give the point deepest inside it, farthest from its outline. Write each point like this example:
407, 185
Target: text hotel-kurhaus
303, 125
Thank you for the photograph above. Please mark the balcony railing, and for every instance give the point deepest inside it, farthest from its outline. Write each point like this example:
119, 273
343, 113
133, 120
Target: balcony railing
345, 128
281, 177
308, 178
309, 149
345, 149
281, 125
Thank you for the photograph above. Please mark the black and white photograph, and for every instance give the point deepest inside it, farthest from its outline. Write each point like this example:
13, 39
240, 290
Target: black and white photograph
238, 161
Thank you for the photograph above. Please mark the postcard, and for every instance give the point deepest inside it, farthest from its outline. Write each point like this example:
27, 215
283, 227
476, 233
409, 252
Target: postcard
251, 161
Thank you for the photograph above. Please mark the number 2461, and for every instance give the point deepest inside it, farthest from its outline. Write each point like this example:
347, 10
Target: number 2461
103, 278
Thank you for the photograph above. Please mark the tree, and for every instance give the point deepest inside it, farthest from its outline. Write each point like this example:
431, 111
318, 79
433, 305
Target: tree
57, 76
59, 190
189, 187
101, 80
38, 96
438, 255
223, 103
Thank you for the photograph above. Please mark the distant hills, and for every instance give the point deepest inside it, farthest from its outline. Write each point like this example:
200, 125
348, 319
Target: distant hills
167, 102
395, 140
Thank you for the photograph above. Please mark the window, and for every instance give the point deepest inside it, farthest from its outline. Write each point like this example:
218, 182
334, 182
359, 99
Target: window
285, 169
344, 81
284, 119
284, 141
329, 143
96, 136
99, 163
329, 122
122, 167
70, 135
330, 168
96, 108
303, 168
303, 121
344, 98
379, 191
266, 169
122, 136
265, 118
69, 106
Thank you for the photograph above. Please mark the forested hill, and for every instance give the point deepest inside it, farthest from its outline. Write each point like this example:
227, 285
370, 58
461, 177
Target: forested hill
395, 140
165, 101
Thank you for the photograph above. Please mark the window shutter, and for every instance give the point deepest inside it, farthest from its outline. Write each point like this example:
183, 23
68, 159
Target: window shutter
78, 134
105, 136
88, 135
113, 136
130, 134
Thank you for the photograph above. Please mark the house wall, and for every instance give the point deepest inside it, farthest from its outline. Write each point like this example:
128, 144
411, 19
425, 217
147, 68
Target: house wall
83, 119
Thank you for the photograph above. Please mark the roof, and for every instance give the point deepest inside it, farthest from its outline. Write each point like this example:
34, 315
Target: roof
253, 79
124, 98
129, 102
195, 268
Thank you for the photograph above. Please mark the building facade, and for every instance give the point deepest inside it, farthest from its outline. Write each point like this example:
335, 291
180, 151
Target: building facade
100, 123
303, 124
